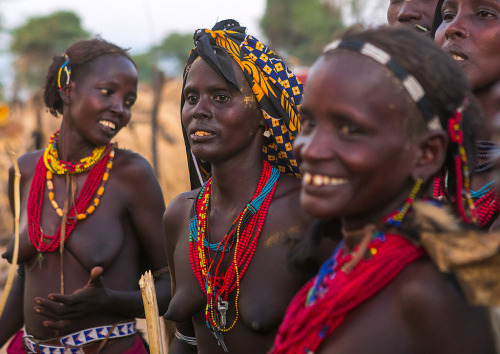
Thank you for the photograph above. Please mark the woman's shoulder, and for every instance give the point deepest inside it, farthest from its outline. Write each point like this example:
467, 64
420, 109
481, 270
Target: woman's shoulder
131, 162
27, 162
435, 310
179, 207
133, 170
176, 216
136, 178
421, 286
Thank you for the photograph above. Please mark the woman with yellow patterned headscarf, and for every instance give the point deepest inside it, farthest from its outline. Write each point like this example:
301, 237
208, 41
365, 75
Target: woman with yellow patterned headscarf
277, 90
228, 241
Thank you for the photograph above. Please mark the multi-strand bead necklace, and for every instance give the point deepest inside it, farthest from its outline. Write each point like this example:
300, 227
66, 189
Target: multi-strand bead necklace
216, 277
98, 164
60, 167
486, 202
345, 281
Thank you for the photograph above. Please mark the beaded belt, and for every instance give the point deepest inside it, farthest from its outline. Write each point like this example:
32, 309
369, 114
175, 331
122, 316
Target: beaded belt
73, 342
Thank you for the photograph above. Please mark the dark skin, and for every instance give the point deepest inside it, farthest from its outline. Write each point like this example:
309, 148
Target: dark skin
106, 253
409, 13
496, 138
470, 32
355, 122
233, 147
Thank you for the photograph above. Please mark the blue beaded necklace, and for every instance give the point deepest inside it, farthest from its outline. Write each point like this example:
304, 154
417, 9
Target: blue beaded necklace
253, 207
483, 191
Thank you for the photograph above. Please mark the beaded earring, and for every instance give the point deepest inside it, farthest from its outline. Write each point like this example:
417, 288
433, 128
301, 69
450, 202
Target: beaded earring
67, 69
396, 218
461, 167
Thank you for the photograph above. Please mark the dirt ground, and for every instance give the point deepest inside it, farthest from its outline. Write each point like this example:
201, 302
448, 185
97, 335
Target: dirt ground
17, 135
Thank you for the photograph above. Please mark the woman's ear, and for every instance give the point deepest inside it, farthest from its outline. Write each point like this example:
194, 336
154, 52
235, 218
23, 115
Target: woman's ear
432, 147
65, 93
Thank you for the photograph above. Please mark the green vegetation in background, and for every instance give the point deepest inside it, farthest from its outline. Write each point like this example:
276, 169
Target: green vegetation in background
36, 42
174, 48
300, 28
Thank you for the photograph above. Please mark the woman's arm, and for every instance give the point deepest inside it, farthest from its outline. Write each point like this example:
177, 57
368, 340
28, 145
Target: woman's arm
439, 318
184, 333
12, 318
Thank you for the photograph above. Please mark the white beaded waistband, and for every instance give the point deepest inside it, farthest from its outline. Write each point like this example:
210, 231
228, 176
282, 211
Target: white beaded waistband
71, 342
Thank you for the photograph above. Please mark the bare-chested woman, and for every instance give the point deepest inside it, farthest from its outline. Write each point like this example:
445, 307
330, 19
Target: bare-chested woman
228, 242
384, 111
81, 291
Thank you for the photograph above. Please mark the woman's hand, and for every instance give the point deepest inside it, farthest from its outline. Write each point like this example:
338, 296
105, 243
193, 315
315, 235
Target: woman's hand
64, 309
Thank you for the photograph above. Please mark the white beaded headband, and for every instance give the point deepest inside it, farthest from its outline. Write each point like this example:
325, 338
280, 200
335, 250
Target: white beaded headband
410, 83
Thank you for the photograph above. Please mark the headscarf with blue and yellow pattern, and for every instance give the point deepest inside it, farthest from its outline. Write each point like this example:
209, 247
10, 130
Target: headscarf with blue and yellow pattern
276, 88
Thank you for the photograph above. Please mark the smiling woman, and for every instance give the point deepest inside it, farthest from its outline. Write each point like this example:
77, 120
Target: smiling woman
375, 132
87, 231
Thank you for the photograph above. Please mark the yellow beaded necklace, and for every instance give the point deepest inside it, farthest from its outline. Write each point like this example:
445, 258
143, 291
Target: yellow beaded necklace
60, 167
99, 193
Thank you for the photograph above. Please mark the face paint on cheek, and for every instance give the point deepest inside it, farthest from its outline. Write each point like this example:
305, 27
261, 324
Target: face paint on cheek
249, 101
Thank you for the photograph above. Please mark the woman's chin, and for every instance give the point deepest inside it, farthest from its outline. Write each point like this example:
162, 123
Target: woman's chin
319, 208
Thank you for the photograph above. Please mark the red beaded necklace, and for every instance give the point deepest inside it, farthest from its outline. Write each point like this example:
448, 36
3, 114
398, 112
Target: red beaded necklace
487, 206
82, 202
239, 244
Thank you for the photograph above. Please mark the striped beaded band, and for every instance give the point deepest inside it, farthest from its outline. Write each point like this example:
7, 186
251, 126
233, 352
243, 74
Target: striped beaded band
410, 83
75, 342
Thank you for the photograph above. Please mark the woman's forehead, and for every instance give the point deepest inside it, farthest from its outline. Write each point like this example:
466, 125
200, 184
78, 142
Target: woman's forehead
201, 64
357, 80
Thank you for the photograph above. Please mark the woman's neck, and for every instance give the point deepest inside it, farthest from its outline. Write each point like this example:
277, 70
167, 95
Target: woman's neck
234, 182
487, 103
354, 228
71, 146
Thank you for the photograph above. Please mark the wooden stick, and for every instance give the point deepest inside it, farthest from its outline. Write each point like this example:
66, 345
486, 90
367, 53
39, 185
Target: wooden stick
17, 211
148, 291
